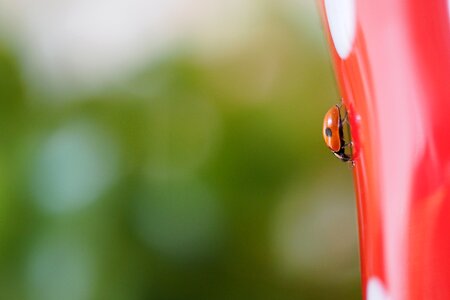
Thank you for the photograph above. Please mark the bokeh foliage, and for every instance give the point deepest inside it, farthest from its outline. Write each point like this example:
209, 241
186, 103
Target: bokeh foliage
180, 182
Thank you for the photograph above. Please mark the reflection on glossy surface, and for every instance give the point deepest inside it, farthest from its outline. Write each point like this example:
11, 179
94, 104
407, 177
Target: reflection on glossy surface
395, 83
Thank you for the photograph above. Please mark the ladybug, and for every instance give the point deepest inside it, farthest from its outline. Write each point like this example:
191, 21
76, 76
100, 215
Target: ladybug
336, 133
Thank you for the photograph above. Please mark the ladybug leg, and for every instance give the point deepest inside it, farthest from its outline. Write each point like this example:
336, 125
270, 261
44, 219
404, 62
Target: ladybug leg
349, 158
345, 118
351, 164
348, 144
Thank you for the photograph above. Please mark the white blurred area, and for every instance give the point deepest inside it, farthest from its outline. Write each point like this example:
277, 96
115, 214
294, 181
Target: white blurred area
84, 44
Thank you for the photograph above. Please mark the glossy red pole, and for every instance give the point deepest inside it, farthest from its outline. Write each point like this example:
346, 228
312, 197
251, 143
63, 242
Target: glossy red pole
392, 62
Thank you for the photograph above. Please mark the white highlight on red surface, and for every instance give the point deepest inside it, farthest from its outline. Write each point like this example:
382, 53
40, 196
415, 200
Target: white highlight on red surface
448, 8
341, 15
376, 290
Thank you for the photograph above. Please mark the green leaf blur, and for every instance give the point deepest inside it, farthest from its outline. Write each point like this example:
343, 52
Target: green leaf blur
191, 177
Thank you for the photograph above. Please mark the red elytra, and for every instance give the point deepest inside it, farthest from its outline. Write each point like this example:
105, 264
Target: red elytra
331, 129
395, 84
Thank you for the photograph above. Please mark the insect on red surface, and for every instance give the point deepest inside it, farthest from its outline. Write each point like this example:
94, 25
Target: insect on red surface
391, 60
336, 132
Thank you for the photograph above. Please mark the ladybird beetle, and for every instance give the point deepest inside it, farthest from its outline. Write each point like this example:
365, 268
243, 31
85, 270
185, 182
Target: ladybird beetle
336, 133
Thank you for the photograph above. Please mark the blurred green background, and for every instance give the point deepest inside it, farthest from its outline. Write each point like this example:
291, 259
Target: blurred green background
170, 150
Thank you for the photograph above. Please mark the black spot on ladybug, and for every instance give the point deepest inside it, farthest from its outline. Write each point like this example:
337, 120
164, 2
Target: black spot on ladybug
328, 132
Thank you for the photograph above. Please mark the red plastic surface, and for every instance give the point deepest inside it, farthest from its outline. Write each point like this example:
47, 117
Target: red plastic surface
396, 84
